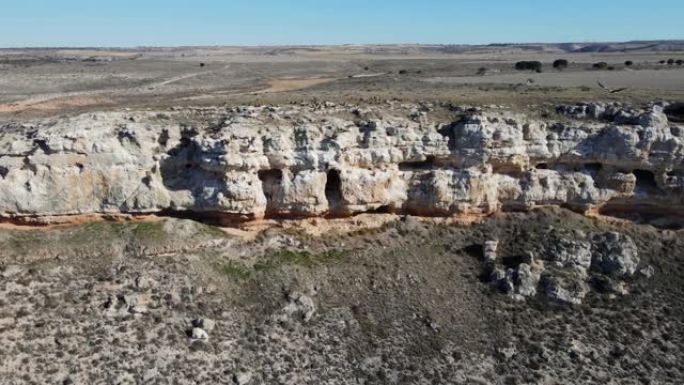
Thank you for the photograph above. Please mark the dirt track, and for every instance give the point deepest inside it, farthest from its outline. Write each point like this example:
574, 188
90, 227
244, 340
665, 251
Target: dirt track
666, 79
40, 83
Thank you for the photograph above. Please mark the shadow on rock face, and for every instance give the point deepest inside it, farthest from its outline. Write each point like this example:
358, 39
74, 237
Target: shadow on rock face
675, 112
188, 167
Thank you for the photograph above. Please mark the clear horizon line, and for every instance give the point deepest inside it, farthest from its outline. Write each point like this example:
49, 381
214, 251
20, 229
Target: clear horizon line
85, 46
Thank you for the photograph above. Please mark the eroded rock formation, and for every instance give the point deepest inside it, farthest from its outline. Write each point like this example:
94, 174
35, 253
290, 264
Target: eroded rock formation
294, 161
569, 264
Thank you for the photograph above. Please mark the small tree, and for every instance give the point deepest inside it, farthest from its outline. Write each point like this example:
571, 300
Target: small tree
600, 65
482, 71
680, 62
629, 63
560, 64
529, 66
670, 61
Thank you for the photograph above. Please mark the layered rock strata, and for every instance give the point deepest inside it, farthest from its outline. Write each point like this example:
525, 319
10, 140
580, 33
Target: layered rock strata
336, 160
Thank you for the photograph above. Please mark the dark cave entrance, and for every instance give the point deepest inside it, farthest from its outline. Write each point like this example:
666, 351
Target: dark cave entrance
333, 190
675, 112
271, 184
593, 168
645, 180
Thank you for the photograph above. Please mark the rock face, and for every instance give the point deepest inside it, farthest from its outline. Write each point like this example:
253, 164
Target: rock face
293, 161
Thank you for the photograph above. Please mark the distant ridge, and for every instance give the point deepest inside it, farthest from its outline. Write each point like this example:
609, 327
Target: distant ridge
567, 47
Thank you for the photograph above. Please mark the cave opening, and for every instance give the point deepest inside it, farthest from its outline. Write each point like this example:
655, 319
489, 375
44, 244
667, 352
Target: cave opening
271, 181
333, 190
593, 167
645, 179
675, 112
514, 261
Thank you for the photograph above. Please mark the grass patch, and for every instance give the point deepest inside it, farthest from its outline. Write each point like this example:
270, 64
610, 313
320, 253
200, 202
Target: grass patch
299, 258
236, 271
240, 272
153, 230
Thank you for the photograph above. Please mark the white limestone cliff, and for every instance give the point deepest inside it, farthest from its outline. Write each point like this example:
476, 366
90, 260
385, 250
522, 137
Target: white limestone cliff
251, 162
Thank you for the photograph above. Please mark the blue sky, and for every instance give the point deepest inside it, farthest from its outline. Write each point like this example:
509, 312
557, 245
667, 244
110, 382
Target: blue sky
275, 22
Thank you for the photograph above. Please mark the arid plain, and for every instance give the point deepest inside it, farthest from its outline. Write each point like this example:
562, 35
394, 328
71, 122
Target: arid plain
403, 214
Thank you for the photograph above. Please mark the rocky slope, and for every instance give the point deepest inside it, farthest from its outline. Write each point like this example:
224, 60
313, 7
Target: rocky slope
335, 160
179, 302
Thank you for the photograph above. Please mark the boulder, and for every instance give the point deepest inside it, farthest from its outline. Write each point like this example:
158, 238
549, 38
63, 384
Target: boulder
199, 334
568, 249
563, 287
489, 251
614, 254
300, 305
526, 280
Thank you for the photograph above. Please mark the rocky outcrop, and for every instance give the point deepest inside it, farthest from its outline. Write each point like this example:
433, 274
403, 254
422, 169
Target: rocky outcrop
572, 263
294, 161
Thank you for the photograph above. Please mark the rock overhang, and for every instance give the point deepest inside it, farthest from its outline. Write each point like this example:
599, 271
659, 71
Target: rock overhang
298, 161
